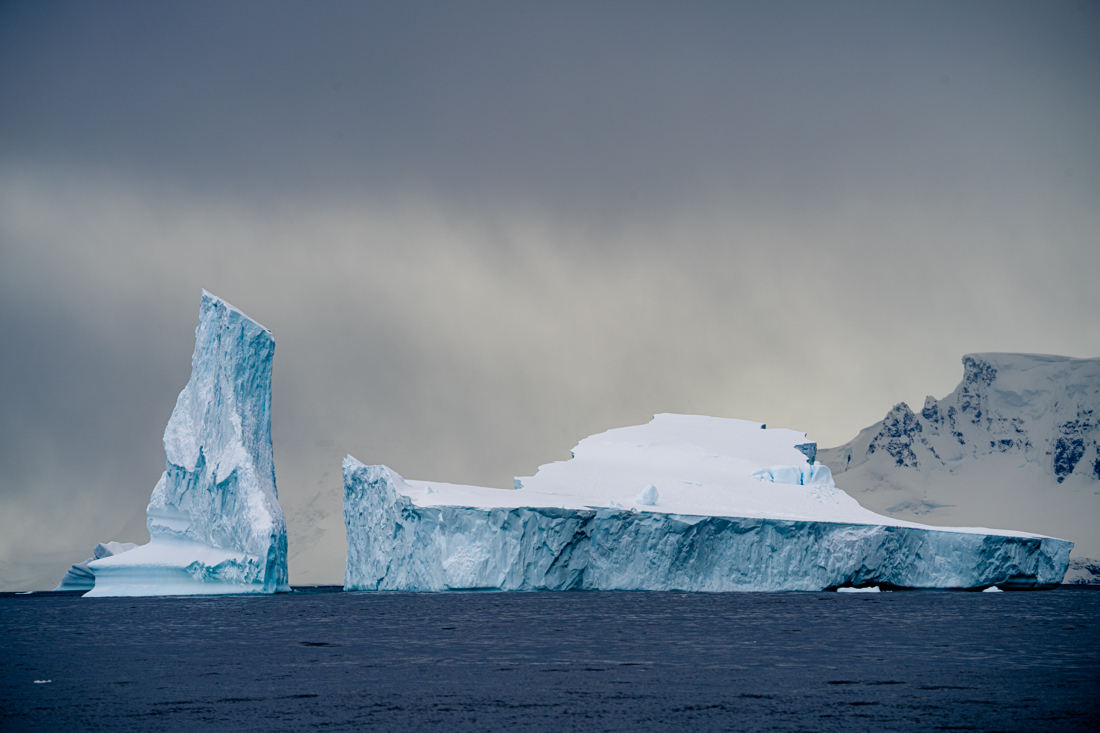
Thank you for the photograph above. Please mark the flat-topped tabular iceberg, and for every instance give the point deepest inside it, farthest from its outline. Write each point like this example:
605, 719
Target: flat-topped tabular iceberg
685, 502
214, 519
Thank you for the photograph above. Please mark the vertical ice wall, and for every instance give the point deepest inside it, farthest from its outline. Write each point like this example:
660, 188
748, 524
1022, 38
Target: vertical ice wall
214, 517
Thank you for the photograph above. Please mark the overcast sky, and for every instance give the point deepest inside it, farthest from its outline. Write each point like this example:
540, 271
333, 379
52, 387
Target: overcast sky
483, 231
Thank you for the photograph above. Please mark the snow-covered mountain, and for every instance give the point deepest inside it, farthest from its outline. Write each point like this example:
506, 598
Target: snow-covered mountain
1016, 445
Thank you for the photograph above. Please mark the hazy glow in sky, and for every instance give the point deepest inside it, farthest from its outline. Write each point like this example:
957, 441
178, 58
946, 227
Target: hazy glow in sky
483, 231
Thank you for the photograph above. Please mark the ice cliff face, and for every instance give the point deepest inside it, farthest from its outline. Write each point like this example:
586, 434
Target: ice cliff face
214, 517
732, 507
1017, 443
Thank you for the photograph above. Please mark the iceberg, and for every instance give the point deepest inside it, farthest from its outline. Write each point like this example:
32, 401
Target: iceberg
685, 502
214, 519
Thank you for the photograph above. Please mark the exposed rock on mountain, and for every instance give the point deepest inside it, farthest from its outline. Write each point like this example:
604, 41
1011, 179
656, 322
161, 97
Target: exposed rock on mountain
1017, 444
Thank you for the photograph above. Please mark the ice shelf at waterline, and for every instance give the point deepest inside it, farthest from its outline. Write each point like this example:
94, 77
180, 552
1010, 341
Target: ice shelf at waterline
80, 577
214, 518
685, 502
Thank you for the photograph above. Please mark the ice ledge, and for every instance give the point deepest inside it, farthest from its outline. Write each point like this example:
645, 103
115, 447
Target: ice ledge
80, 576
395, 545
177, 566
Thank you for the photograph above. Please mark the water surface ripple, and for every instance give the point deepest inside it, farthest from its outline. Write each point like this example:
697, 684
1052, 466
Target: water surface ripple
913, 661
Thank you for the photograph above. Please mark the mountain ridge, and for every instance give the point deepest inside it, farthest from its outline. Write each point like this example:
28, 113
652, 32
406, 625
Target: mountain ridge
1016, 444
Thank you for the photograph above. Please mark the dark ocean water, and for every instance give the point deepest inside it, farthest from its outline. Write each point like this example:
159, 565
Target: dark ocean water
553, 661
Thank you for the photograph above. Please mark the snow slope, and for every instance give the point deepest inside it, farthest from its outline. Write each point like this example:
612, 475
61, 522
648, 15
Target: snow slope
685, 502
1015, 445
1082, 571
214, 517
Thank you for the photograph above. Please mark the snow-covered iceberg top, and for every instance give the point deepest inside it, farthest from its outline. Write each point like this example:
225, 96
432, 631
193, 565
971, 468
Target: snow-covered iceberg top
214, 517
683, 503
699, 466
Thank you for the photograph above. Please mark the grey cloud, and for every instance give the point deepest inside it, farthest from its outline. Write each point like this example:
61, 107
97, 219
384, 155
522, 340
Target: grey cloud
582, 105
481, 232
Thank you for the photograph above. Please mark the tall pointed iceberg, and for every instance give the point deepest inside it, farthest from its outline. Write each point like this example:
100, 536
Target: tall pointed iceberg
214, 518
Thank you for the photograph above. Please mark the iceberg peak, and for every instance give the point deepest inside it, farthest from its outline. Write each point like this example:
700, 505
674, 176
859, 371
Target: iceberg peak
648, 497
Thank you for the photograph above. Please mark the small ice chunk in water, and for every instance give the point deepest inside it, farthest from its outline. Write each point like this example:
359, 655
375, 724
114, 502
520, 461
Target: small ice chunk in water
872, 589
648, 497
992, 589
